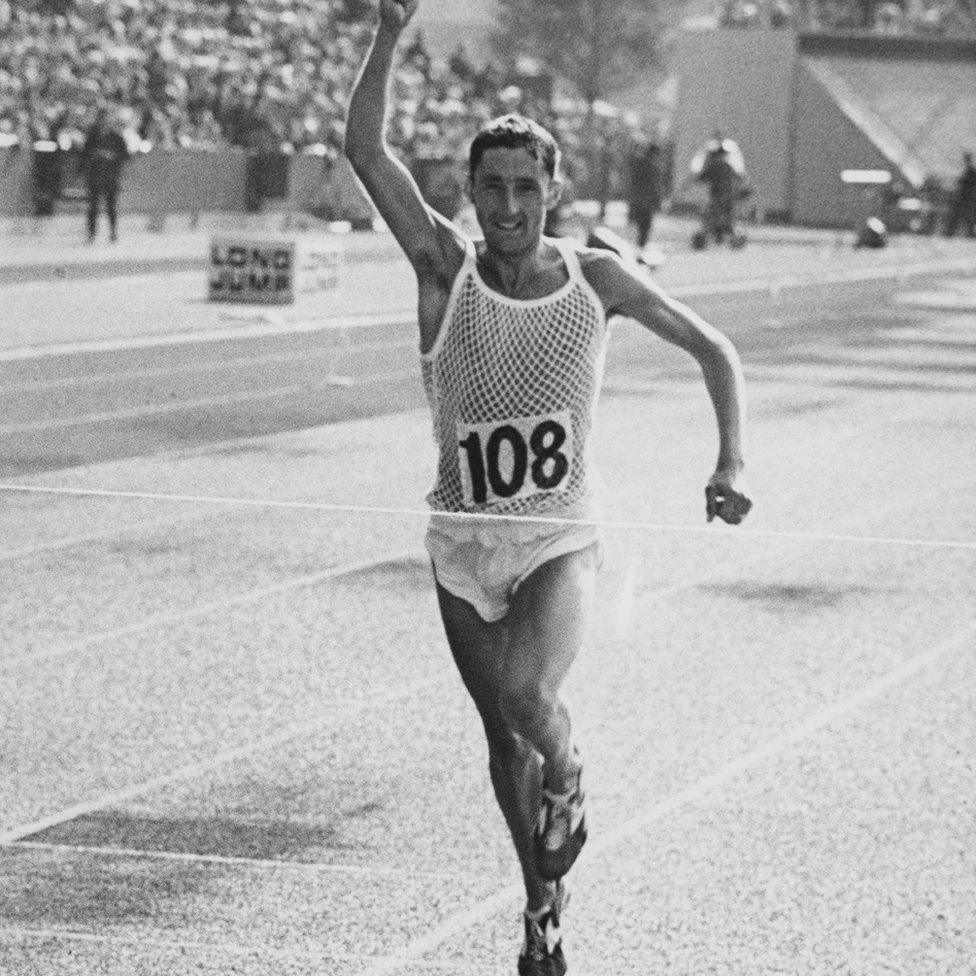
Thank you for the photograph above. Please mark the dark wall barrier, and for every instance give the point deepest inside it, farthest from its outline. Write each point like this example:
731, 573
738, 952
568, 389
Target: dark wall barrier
186, 181
47, 166
266, 178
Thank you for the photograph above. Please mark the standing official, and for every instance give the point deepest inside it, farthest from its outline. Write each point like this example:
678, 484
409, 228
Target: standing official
103, 156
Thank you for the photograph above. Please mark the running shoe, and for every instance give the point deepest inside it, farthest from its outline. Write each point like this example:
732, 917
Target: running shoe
542, 951
560, 831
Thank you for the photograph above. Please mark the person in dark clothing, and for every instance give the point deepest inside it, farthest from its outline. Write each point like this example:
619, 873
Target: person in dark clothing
103, 155
644, 190
724, 190
962, 210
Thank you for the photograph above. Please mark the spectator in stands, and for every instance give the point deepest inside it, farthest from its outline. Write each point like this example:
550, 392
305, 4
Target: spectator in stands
644, 189
103, 155
962, 209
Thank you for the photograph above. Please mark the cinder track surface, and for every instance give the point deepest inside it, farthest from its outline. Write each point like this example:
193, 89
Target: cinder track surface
233, 740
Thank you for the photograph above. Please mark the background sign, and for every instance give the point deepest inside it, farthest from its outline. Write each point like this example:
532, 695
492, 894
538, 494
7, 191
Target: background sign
272, 269
251, 270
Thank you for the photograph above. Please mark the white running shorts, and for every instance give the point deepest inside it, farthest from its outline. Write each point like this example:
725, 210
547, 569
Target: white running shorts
484, 562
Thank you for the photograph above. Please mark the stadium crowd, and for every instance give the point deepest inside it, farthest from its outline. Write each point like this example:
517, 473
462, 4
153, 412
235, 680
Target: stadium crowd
273, 76
269, 75
180, 73
276, 73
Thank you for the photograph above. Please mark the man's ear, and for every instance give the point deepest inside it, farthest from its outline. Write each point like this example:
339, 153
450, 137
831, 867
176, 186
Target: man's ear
554, 192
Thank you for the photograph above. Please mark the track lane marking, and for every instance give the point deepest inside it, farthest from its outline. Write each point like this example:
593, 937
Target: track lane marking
476, 915
349, 710
244, 396
312, 957
774, 285
501, 899
67, 541
310, 867
210, 606
624, 603
151, 372
253, 331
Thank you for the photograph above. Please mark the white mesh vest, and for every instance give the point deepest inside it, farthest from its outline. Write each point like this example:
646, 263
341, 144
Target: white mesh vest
513, 385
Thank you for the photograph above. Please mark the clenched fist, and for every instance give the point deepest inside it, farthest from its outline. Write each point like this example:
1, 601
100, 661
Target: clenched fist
396, 14
727, 496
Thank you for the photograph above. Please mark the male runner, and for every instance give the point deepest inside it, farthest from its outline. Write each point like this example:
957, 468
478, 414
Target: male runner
512, 342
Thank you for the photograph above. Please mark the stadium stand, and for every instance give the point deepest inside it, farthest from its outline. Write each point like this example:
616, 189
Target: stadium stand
202, 75
272, 77
269, 79
919, 112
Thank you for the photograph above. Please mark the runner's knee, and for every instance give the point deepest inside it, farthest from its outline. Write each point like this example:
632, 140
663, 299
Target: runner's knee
527, 707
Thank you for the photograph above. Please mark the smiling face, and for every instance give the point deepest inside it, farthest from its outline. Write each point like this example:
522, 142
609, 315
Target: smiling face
511, 192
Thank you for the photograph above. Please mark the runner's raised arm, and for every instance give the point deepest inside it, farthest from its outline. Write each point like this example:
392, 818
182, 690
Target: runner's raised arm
425, 237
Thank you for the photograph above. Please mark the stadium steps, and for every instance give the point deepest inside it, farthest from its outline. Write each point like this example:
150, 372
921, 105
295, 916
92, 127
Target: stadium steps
919, 114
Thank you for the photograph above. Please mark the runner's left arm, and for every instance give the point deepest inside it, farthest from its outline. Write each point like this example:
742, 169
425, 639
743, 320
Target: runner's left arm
635, 296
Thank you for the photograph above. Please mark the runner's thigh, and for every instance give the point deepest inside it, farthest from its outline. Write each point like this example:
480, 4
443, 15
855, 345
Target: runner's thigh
550, 616
477, 648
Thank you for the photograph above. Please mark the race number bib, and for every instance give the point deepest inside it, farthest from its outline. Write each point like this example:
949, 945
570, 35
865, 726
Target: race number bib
514, 458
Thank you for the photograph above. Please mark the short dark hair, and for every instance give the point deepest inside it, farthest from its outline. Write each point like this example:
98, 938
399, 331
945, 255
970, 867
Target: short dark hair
514, 131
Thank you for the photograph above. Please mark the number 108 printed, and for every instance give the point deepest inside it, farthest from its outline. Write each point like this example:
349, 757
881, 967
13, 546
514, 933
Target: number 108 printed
515, 458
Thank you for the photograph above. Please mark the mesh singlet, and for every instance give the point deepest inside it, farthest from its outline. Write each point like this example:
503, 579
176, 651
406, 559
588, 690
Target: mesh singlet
512, 385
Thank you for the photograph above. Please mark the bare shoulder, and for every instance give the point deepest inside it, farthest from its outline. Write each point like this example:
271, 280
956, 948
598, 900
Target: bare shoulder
619, 286
600, 266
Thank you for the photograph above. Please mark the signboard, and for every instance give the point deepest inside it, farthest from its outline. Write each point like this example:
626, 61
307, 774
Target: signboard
254, 270
271, 269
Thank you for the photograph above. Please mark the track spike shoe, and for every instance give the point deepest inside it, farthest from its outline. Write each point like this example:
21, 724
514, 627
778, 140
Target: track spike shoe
542, 951
560, 831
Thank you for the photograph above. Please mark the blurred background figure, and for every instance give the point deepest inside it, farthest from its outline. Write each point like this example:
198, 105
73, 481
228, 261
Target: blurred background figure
721, 167
644, 190
962, 208
733, 154
103, 155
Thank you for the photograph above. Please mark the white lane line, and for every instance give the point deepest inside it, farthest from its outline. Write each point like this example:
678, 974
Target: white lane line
209, 366
958, 379
182, 406
339, 716
476, 915
202, 609
264, 864
66, 542
311, 960
253, 331
924, 336
898, 357
275, 328
781, 743
730, 531
878, 272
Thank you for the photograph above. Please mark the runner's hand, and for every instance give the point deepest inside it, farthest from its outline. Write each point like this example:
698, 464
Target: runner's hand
727, 496
396, 14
